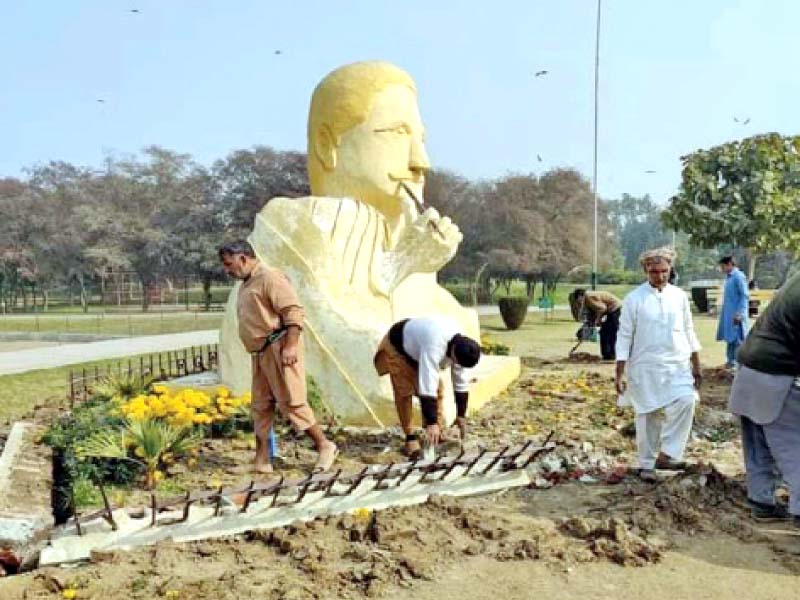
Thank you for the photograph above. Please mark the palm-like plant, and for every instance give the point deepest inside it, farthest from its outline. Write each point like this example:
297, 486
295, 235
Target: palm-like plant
124, 386
151, 441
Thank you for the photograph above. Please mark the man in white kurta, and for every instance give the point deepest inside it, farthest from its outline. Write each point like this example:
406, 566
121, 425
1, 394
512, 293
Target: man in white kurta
658, 351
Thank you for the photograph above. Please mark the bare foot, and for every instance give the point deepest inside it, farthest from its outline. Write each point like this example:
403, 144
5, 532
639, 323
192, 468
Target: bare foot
262, 468
327, 455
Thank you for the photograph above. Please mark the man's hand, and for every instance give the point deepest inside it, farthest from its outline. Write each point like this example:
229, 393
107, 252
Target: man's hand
622, 384
697, 374
737, 318
433, 434
461, 423
289, 354
697, 371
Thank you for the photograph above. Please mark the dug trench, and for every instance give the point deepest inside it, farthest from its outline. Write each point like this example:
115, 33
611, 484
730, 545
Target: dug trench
586, 519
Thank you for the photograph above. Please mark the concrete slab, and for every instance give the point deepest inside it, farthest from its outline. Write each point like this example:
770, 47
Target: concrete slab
26, 514
67, 546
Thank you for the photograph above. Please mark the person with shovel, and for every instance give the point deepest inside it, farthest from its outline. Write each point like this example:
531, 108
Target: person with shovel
270, 323
602, 308
412, 353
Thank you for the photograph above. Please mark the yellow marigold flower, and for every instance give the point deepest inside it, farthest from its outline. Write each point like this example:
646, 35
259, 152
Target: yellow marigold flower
160, 388
69, 593
223, 392
362, 514
158, 476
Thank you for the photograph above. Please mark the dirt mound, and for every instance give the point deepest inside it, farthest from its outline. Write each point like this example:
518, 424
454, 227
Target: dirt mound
363, 554
583, 358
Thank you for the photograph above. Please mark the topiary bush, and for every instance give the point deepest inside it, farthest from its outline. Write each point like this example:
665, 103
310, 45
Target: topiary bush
513, 309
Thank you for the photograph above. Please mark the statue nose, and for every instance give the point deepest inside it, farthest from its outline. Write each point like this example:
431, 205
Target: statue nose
418, 159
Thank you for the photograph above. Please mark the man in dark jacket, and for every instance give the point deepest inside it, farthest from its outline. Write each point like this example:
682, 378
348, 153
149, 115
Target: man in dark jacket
766, 395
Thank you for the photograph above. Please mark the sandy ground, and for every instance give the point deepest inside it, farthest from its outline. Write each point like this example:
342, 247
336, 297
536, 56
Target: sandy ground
699, 568
608, 535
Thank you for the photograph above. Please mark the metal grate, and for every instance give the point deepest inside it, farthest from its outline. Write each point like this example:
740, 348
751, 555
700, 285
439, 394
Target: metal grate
291, 492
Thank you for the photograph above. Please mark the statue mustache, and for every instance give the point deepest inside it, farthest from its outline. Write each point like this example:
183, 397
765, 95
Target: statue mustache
406, 176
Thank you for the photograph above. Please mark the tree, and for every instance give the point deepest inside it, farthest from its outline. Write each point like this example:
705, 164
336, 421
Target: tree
744, 193
637, 226
248, 179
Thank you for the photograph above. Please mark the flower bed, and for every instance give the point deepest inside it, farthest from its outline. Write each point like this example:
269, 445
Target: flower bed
128, 435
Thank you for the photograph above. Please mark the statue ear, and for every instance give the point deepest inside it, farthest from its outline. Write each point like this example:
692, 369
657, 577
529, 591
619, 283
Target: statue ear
325, 147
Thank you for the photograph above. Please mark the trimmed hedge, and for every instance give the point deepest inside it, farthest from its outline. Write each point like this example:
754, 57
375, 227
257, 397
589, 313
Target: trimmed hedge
513, 309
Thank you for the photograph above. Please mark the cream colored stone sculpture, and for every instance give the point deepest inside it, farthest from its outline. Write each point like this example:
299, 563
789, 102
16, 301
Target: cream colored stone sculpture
358, 252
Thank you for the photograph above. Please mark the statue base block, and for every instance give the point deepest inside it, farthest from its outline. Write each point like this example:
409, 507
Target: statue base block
491, 376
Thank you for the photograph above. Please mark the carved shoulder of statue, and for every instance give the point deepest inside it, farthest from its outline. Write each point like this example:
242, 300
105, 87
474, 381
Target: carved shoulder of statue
338, 239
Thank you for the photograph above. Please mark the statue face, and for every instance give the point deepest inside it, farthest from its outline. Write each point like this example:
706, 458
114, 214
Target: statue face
388, 148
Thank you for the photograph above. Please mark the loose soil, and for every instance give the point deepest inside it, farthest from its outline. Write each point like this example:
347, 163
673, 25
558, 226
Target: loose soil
588, 528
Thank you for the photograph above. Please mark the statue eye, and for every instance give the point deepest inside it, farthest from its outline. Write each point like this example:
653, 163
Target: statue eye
401, 129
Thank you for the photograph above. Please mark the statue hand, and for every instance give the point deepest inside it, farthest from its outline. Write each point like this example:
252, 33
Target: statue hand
425, 246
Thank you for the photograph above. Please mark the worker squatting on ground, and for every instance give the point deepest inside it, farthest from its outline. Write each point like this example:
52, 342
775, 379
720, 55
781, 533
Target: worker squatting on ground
412, 353
655, 345
766, 395
267, 304
603, 308
732, 326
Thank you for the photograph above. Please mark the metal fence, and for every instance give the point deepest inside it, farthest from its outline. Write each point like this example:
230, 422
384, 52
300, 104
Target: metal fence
153, 367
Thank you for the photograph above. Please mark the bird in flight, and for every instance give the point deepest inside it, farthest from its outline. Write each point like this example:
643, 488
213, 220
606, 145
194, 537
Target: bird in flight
101, 101
277, 51
539, 158
540, 73
134, 10
650, 171
745, 122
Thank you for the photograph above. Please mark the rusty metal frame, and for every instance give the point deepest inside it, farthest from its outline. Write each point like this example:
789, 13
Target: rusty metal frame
294, 491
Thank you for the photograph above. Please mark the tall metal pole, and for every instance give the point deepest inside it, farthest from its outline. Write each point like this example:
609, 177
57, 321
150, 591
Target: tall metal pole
594, 161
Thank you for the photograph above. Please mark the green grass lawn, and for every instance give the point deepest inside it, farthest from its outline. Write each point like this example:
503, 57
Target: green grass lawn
21, 393
539, 336
552, 337
517, 288
113, 324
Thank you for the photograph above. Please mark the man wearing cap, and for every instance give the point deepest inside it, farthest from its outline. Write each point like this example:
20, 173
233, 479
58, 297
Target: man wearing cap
658, 365
412, 353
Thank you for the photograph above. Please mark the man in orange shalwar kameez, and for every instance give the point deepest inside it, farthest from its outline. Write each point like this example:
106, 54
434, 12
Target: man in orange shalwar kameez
270, 322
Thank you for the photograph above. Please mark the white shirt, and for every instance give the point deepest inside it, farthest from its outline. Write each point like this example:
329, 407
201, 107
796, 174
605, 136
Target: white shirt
656, 337
425, 340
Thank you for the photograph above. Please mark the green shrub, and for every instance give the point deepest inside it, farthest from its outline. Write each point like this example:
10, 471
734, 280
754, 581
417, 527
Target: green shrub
73, 429
513, 309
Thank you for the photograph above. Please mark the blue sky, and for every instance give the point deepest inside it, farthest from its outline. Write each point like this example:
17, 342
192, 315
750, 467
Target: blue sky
203, 77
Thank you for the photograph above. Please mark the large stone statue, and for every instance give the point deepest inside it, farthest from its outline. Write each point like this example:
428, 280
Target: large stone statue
358, 251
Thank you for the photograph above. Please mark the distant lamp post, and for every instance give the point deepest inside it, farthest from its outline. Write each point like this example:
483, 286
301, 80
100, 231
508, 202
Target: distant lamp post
594, 161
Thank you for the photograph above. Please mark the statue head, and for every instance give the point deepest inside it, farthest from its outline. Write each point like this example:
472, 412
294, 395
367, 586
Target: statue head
365, 137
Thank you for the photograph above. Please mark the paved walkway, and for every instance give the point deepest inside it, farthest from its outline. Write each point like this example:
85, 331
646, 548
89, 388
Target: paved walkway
72, 354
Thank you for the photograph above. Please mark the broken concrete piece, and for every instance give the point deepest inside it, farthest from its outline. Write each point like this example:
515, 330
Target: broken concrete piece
403, 487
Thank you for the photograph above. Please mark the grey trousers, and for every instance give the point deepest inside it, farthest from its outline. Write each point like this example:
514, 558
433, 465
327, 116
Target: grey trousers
772, 450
